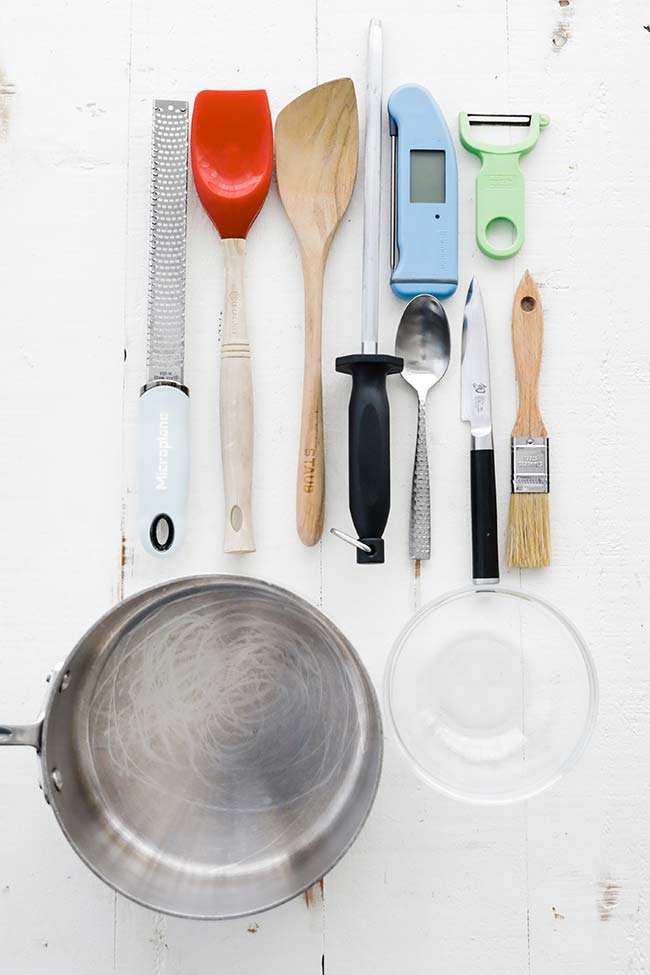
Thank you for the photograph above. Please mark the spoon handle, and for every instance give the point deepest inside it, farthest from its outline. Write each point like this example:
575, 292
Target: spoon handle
236, 405
420, 524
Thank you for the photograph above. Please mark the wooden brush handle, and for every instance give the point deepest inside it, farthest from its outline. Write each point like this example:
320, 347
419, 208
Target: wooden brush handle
236, 406
310, 494
527, 340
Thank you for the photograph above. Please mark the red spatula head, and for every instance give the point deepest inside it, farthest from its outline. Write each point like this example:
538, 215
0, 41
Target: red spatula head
232, 156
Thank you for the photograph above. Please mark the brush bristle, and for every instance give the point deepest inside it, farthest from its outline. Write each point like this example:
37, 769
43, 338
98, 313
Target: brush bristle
529, 532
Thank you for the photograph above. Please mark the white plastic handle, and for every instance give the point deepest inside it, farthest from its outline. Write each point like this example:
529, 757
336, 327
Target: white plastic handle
163, 467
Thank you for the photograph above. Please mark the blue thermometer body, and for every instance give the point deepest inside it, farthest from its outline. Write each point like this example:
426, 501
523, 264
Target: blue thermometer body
424, 197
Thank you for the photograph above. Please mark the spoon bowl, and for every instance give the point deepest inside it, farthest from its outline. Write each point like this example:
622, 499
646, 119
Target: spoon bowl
424, 343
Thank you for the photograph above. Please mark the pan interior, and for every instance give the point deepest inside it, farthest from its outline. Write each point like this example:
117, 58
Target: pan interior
229, 746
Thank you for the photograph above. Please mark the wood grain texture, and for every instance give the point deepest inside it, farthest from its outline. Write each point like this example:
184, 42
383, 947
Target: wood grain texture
527, 344
560, 886
317, 145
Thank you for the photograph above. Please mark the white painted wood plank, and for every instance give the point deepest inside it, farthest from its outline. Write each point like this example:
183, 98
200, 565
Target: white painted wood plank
62, 177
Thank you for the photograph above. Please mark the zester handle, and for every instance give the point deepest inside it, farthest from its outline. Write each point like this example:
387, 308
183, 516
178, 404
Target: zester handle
420, 523
236, 406
163, 466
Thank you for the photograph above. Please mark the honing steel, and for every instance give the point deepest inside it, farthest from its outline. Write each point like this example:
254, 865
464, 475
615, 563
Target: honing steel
529, 534
211, 747
163, 407
476, 409
232, 160
423, 342
368, 414
317, 144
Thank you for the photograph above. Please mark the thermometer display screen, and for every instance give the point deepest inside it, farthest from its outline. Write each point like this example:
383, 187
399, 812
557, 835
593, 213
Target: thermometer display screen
428, 176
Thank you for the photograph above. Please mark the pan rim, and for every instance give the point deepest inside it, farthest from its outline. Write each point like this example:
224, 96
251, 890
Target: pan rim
198, 581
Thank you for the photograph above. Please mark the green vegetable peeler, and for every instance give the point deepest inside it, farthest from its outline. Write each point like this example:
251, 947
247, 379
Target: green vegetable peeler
500, 182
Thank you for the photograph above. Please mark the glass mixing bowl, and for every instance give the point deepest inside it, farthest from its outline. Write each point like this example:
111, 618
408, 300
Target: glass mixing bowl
492, 694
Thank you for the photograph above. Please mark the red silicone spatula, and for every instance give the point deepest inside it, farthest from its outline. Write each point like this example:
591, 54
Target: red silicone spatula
232, 159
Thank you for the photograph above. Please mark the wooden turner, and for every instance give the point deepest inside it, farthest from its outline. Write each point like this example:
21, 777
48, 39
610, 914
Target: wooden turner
316, 149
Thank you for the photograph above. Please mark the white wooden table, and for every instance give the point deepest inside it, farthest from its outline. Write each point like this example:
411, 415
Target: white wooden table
557, 886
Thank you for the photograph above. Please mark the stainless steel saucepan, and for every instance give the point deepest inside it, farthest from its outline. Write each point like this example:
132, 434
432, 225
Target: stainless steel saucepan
211, 747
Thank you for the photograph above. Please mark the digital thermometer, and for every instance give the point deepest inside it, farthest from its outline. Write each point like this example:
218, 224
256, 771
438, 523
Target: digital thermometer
424, 197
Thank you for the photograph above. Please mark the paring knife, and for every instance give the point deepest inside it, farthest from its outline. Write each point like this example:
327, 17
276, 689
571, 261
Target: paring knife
476, 409
163, 409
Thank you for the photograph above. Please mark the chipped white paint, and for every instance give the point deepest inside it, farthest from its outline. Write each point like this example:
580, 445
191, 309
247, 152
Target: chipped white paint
561, 885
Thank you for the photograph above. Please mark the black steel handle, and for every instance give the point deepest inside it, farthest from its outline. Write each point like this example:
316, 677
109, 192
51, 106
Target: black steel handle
369, 448
485, 544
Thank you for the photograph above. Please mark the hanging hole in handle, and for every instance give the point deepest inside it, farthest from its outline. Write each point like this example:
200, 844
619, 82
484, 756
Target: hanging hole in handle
501, 233
528, 303
236, 517
162, 533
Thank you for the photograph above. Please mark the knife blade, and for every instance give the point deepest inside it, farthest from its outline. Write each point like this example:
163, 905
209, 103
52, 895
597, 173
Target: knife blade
476, 409
476, 399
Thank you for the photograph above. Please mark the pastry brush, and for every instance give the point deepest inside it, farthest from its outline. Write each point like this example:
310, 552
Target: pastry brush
529, 542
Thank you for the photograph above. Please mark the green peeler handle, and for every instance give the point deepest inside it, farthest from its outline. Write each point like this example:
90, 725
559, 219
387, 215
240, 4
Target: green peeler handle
500, 183
500, 196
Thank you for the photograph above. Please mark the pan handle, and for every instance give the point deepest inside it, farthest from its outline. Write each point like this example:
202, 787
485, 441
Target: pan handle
21, 734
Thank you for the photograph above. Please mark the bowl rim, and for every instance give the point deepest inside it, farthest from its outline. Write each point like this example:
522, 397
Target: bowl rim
536, 786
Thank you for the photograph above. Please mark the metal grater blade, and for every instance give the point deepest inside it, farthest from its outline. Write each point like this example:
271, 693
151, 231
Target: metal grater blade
168, 231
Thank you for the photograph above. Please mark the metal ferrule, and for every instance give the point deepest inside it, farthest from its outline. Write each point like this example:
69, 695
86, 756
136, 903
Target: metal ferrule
483, 441
164, 382
530, 473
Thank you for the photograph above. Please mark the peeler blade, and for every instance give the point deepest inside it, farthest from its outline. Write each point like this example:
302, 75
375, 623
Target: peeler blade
475, 119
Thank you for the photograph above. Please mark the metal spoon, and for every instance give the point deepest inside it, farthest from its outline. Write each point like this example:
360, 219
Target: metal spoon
424, 344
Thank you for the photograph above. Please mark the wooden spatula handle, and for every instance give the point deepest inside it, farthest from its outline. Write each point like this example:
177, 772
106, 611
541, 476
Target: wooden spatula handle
236, 406
310, 495
527, 341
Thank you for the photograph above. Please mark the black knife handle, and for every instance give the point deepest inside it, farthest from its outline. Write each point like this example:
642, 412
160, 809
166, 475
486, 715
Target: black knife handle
369, 448
485, 544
